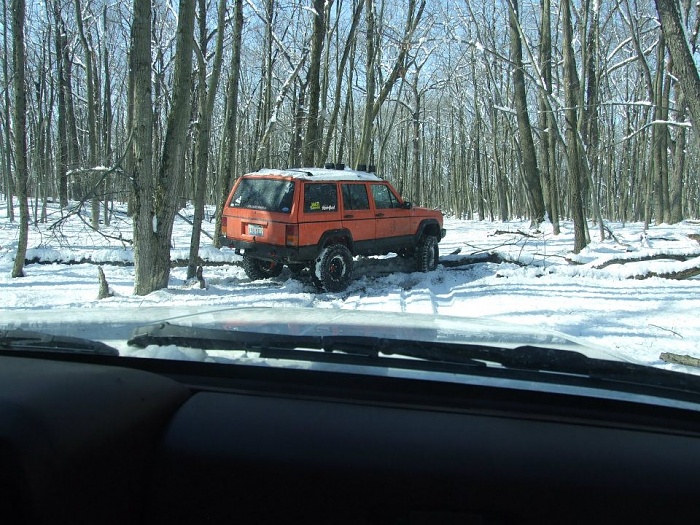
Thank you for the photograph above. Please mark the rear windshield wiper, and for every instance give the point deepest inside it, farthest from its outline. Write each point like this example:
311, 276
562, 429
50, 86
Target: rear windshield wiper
29, 341
425, 355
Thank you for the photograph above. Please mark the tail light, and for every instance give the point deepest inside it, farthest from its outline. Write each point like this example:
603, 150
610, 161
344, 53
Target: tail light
292, 235
224, 221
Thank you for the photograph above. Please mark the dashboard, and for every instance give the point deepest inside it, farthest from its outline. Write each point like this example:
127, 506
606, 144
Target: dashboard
86, 439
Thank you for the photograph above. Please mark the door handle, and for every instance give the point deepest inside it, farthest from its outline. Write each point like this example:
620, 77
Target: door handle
379, 215
348, 216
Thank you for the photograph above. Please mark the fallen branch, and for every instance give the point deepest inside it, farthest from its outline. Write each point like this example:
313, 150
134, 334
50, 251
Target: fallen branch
666, 329
679, 359
472, 259
677, 276
645, 258
175, 263
517, 232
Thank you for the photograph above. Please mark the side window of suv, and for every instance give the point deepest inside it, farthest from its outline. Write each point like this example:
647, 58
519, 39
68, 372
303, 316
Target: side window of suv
320, 197
355, 197
383, 197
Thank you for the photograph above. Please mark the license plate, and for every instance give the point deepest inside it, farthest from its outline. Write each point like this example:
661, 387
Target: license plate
255, 230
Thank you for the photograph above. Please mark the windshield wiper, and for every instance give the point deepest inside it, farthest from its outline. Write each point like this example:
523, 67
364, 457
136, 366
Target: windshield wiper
425, 355
352, 348
28, 341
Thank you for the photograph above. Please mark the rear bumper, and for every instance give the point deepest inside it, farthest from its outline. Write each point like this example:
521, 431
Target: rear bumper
271, 252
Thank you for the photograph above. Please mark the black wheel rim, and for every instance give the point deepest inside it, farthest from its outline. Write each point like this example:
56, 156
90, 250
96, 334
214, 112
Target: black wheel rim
336, 268
267, 266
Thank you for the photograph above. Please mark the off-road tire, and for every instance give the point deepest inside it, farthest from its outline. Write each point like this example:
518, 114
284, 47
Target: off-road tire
257, 269
427, 254
333, 269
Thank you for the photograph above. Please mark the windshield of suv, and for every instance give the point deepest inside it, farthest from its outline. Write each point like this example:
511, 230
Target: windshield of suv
264, 194
550, 185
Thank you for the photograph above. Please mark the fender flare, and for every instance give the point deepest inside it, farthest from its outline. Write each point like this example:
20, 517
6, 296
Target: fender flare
432, 226
340, 233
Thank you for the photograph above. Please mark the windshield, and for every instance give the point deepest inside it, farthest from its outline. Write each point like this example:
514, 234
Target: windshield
543, 210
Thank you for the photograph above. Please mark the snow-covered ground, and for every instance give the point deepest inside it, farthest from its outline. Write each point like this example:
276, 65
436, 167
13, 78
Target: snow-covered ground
543, 285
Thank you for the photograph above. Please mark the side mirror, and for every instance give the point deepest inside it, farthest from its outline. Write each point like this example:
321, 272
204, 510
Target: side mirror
407, 205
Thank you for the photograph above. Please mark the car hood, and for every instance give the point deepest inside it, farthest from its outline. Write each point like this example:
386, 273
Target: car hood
115, 326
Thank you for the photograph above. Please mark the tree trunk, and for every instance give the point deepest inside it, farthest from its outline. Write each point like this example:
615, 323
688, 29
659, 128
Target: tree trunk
571, 92
107, 118
415, 143
548, 141
71, 123
62, 146
142, 146
9, 182
339, 84
207, 95
529, 157
684, 65
170, 176
262, 154
20, 134
363, 153
91, 116
312, 140
658, 173
372, 106
229, 147
675, 183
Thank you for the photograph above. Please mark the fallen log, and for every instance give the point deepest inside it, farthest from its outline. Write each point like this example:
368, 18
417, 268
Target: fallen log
646, 258
688, 273
175, 263
679, 359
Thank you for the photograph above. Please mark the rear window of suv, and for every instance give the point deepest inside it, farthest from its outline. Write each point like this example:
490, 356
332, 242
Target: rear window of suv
264, 194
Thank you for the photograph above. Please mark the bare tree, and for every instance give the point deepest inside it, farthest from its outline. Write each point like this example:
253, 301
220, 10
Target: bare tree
91, 97
530, 170
61, 138
170, 176
229, 143
312, 139
684, 65
414, 14
9, 182
20, 133
547, 124
142, 146
205, 110
571, 90
157, 197
340, 71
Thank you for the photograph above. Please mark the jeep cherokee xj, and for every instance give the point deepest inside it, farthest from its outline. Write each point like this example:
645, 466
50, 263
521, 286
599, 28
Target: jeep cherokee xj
319, 219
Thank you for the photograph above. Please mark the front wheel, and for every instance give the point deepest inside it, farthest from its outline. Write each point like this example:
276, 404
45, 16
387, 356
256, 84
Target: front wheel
333, 269
260, 269
427, 254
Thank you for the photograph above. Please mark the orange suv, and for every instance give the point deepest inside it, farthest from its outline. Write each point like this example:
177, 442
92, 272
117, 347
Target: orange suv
319, 219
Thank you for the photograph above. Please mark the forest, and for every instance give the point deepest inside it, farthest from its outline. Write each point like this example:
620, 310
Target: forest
550, 110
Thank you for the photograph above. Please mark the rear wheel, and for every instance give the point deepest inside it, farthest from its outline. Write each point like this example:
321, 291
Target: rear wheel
260, 269
333, 269
427, 254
